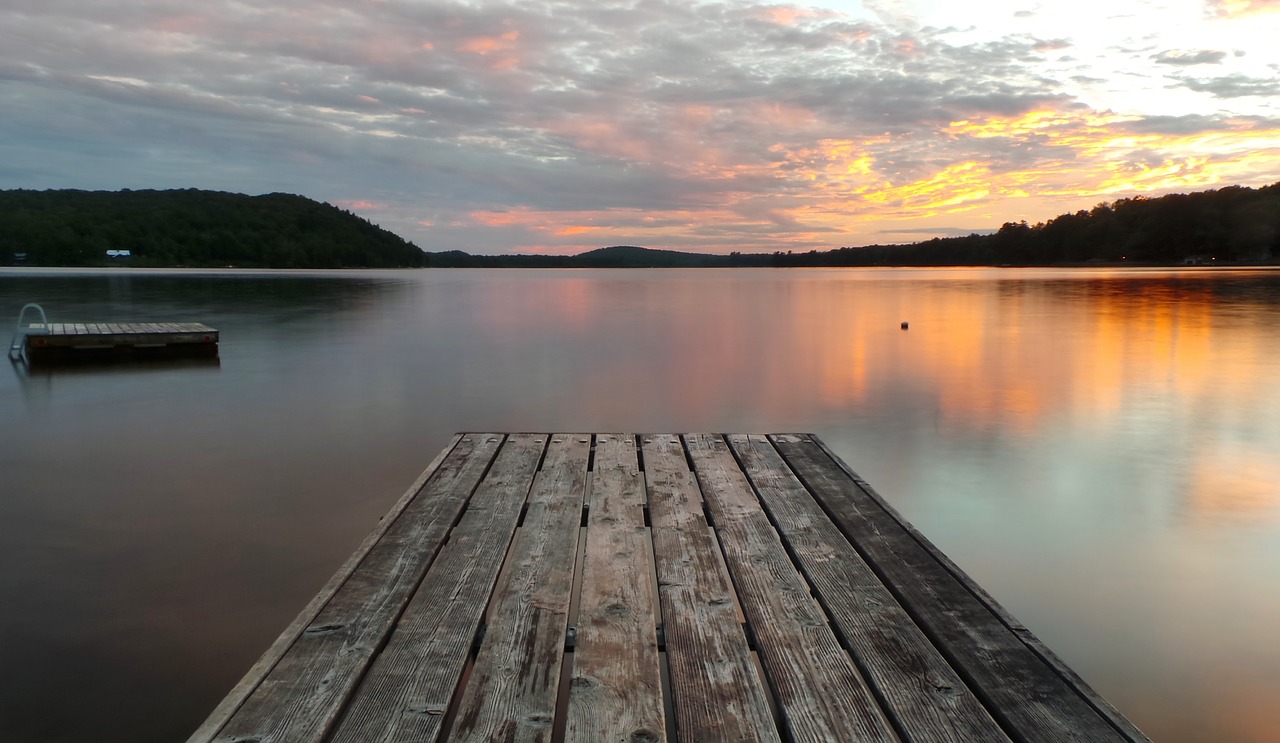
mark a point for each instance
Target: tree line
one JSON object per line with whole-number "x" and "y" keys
{"x": 1235, "y": 224}
{"x": 194, "y": 228}
{"x": 188, "y": 227}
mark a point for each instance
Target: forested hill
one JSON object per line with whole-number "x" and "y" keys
{"x": 208, "y": 228}
{"x": 1235, "y": 224}
{"x": 1229, "y": 225}
{"x": 191, "y": 228}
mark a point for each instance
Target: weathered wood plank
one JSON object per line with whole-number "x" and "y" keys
{"x": 819, "y": 690}
{"x": 1101, "y": 704}
{"x": 921, "y": 692}
{"x": 264, "y": 664}
{"x": 410, "y": 685}
{"x": 511, "y": 695}
{"x": 717, "y": 693}
{"x": 1030, "y": 699}
{"x": 908, "y": 630}
{"x": 615, "y": 693}
{"x": 304, "y": 692}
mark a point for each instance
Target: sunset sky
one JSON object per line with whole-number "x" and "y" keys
{"x": 556, "y": 127}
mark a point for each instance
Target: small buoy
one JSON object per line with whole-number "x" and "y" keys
{"x": 905, "y": 325}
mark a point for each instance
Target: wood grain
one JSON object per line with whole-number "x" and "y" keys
{"x": 1026, "y": 695}
{"x": 408, "y": 689}
{"x": 919, "y": 689}
{"x": 819, "y": 691}
{"x": 236, "y": 697}
{"x": 717, "y": 693}
{"x": 861, "y": 628}
{"x": 511, "y": 695}
{"x": 615, "y": 693}
{"x": 306, "y": 689}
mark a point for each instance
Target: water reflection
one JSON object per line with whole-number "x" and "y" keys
{"x": 1094, "y": 446}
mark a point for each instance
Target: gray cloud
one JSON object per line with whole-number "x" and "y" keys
{"x": 447, "y": 110}
{"x": 1192, "y": 124}
{"x": 1185, "y": 58}
{"x": 1235, "y": 86}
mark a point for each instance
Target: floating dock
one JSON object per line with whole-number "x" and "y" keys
{"x": 53, "y": 342}
{"x": 638, "y": 588}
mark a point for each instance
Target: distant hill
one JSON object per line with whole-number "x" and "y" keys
{"x": 1231, "y": 225}
{"x": 618, "y": 256}
{"x": 1235, "y": 224}
{"x": 192, "y": 228}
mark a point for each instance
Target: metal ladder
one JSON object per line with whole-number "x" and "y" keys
{"x": 18, "y": 346}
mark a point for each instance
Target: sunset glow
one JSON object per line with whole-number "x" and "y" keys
{"x": 699, "y": 126}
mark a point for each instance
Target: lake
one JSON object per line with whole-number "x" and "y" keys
{"x": 1100, "y": 449}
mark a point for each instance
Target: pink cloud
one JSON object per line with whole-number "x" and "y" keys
{"x": 359, "y": 205}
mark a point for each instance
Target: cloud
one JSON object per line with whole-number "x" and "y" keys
{"x": 1185, "y": 58}
{"x": 542, "y": 124}
{"x": 936, "y": 231}
{"x": 1238, "y": 8}
{"x": 1235, "y": 86}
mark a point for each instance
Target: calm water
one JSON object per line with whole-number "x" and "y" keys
{"x": 1100, "y": 449}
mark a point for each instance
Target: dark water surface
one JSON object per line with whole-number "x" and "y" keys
{"x": 1099, "y": 449}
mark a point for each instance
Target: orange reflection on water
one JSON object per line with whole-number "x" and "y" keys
{"x": 1022, "y": 354}
{"x": 1247, "y": 709}
{"x": 1237, "y": 482}
{"x": 986, "y": 350}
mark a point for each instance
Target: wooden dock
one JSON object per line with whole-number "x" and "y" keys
{"x": 612, "y": 587}
{"x": 43, "y": 342}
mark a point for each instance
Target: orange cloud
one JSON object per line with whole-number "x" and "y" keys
{"x": 501, "y": 49}
{"x": 1236, "y": 8}
{"x": 850, "y": 185}
{"x": 605, "y": 136}
{"x": 858, "y": 191}
{"x": 955, "y": 184}
{"x": 551, "y": 222}
{"x": 790, "y": 15}
{"x": 484, "y": 45}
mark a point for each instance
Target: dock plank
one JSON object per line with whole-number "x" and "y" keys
{"x": 307, "y": 688}
{"x": 223, "y": 712}
{"x": 1030, "y": 698}
{"x": 925, "y": 696}
{"x": 408, "y": 689}
{"x": 776, "y": 597}
{"x": 820, "y": 693}
{"x": 511, "y": 695}
{"x": 615, "y": 693}
{"x": 118, "y": 340}
{"x": 716, "y": 690}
